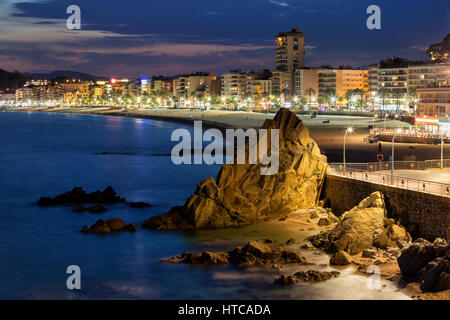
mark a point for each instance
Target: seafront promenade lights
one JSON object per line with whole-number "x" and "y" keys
{"x": 393, "y": 154}
{"x": 348, "y": 131}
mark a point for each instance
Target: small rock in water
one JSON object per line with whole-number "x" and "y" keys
{"x": 98, "y": 208}
{"x": 111, "y": 225}
{"x": 276, "y": 267}
{"x": 286, "y": 280}
{"x": 314, "y": 275}
{"x": 139, "y": 205}
{"x": 78, "y": 208}
{"x": 78, "y": 196}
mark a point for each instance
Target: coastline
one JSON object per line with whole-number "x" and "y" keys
{"x": 329, "y": 136}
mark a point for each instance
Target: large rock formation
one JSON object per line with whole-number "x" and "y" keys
{"x": 241, "y": 195}
{"x": 362, "y": 228}
{"x": 427, "y": 263}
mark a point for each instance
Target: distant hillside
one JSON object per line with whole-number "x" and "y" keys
{"x": 10, "y": 81}
{"x": 64, "y": 73}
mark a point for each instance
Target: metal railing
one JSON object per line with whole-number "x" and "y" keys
{"x": 399, "y": 165}
{"x": 418, "y": 185}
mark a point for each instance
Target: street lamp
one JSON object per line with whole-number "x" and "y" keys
{"x": 442, "y": 150}
{"x": 385, "y": 120}
{"x": 393, "y": 150}
{"x": 349, "y": 130}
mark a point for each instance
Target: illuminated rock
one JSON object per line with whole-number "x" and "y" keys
{"x": 242, "y": 195}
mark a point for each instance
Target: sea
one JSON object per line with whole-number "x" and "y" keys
{"x": 46, "y": 154}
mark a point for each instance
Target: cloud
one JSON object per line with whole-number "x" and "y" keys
{"x": 279, "y": 3}
{"x": 419, "y": 48}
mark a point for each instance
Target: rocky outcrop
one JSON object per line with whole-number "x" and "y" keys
{"x": 255, "y": 253}
{"x": 286, "y": 280}
{"x": 361, "y": 228}
{"x": 79, "y": 196}
{"x": 314, "y": 275}
{"x": 307, "y": 276}
{"x": 427, "y": 263}
{"x": 241, "y": 195}
{"x": 111, "y": 225}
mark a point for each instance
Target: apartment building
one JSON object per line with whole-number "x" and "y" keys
{"x": 187, "y": 86}
{"x": 339, "y": 81}
{"x": 307, "y": 82}
{"x": 429, "y": 75}
{"x": 234, "y": 85}
{"x": 282, "y": 85}
{"x": 408, "y": 78}
{"x": 433, "y": 102}
{"x": 257, "y": 87}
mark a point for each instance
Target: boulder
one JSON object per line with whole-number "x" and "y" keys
{"x": 242, "y": 195}
{"x": 314, "y": 275}
{"x": 115, "y": 224}
{"x": 427, "y": 264}
{"x": 341, "y": 258}
{"x": 356, "y": 228}
{"x": 392, "y": 236}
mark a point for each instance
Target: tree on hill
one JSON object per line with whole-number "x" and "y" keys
{"x": 11, "y": 81}
{"x": 440, "y": 51}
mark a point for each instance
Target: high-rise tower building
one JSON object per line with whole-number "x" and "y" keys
{"x": 290, "y": 50}
{"x": 290, "y": 54}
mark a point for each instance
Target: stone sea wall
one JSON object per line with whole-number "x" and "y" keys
{"x": 425, "y": 215}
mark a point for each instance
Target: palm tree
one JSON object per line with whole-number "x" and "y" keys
{"x": 310, "y": 92}
{"x": 397, "y": 94}
{"x": 330, "y": 94}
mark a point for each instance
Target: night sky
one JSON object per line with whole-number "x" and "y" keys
{"x": 137, "y": 38}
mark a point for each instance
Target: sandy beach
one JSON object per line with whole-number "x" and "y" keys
{"x": 329, "y": 136}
